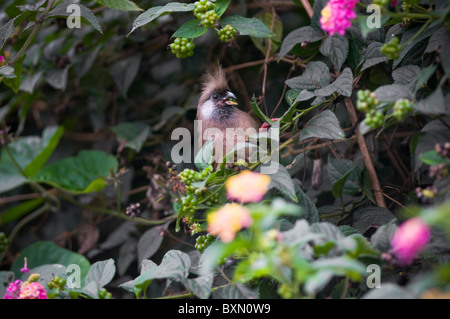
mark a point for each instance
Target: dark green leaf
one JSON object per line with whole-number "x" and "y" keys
{"x": 381, "y": 239}
{"x": 204, "y": 156}
{"x": 86, "y": 14}
{"x": 155, "y": 12}
{"x": 406, "y": 74}
{"x": 102, "y": 272}
{"x": 342, "y": 85}
{"x": 190, "y": 29}
{"x": 246, "y": 26}
{"x": 393, "y": 92}
{"x": 46, "y": 252}
{"x": 371, "y": 216}
{"x": 7, "y": 72}
{"x": 14, "y": 83}
{"x": 124, "y": 5}
{"x": 259, "y": 113}
{"x": 325, "y": 125}
{"x": 20, "y": 210}
{"x": 434, "y": 104}
{"x": 85, "y": 173}
{"x": 298, "y": 36}
{"x": 58, "y": 78}
{"x": 336, "y": 49}
{"x": 315, "y": 76}
{"x": 373, "y": 55}
{"x": 345, "y": 173}
{"x": 124, "y": 72}
{"x": 200, "y": 286}
{"x": 134, "y": 134}
{"x": 150, "y": 241}
{"x": 221, "y": 6}
{"x": 309, "y": 209}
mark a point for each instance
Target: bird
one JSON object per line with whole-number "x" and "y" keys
{"x": 219, "y": 118}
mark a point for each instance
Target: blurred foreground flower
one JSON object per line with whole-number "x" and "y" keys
{"x": 228, "y": 220}
{"x": 32, "y": 290}
{"x": 25, "y": 268}
{"x": 2, "y": 60}
{"x": 409, "y": 239}
{"x": 266, "y": 126}
{"x": 13, "y": 290}
{"x": 247, "y": 186}
{"x": 336, "y": 16}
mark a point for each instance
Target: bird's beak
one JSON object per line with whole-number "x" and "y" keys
{"x": 230, "y": 99}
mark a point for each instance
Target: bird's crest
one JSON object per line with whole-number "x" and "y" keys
{"x": 214, "y": 80}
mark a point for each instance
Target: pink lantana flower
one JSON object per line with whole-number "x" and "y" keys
{"x": 336, "y": 16}
{"x": 2, "y": 60}
{"x": 228, "y": 220}
{"x": 13, "y": 290}
{"x": 410, "y": 239}
{"x": 247, "y": 187}
{"x": 32, "y": 290}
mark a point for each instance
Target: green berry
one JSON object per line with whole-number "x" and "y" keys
{"x": 182, "y": 48}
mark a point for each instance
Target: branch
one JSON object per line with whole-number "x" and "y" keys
{"x": 365, "y": 155}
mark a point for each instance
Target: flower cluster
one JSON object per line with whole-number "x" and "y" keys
{"x": 245, "y": 187}
{"x": 409, "y": 240}
{"x": 336, "y": 16}
{"x": 30, "y": 289}
{"x": 228, "y": 220}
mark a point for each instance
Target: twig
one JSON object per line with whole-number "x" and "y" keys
{"x": 307, "y": 7}
{"x": 365, "y": 155}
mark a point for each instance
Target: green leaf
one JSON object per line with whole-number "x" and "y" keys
{"x": 381, "y": 239}
{"x": 124, "y": 72}
{"x": 5, "y": 278}
{"x": 124, "y": 5}
{"x": 5, "y": 32}
{"x": 424, "y": 75}
{"x": 303, "y": 34}
{"x": 14, "y": 83}
{"x": 393, "y": 92}
{"x": 50, "y": 139}
{"x": 19, "y": 210}
{"x": 58, "y": 78}
{"x": 175, "y": 266}
{"x": 155, "y": 12}
{"x": 84, "y": 173}
{"x": 190, "y": 29}
{"x": 342, "y": 85}
{"x": 221, "y": 6}
{"x": 325, "y": 125}
{"x": 30, "y": 153}
{"x": 431, "y": 157}
{"x": 315, "y": 76}
{"x": 434, "y": 104}
{"x": 282, "y": 181}
{"x": 344, "y": 174}
{"x": 87, "y": 15}
{"x": 406, "y": 74}
{"x": 46, "y": 252}
{"x": 336, "y": 49}
{"x": 134, "y": 134}
{"x": 102, "y": 272}
{"x": 238, "y": 291}
{"x": 342, "y": 266}
{"x": 204, "y": 156}
{"x": 261, "y": 43}
{"x": 246, "y": 26}
{"x": 371, "y": 216}
{"x": 150, "y": 242}
{"x": 309, "y": 209}
{"x": 200, "y": 286}
{"x": 259, "y": 113}
{"x": 373, "y": 55}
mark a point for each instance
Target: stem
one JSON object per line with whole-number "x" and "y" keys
{"x": 22, "y": 223}
{"x": 30, "y": 38}
{"x": 365, "y": 155}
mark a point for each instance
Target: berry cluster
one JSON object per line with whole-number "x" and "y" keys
{"x": 182, "y": 47}
{"x": 443, "y": 149}
{"x": 203, "y": 241}
{"x": 201, "y": 7}
{"x": 210, "y": 19}
{"x": 227, "y": 34}
{"x": 402, "y": 108}
{"x": 391, "y": 49}
{"x": 4, "y": 241}
{"x": 56, "y": 283}
{"x": 133, "y": 210}
{"x": 367, "y": 103}
{"x": 194, "y": 195}
{"x": 104, "y": 294}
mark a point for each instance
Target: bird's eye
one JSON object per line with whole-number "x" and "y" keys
{"x": 215, "y": 96}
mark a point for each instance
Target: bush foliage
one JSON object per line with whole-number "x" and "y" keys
{"x": 87, "y": 112}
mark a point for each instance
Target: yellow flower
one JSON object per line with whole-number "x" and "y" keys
{"x": 247, "y": 186}
{"x": 228, "y": 220}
